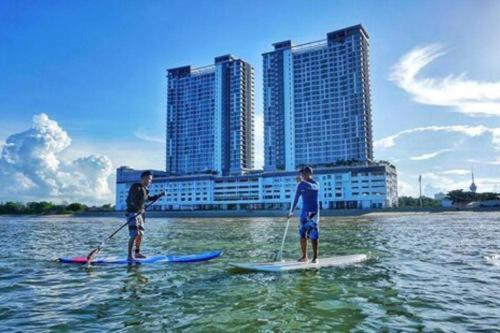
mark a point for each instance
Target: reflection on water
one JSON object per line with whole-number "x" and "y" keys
{"x": 431, "y": 272}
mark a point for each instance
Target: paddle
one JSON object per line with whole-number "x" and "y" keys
{"x": 279, "y": 255}
{"x": 93, "y": 254}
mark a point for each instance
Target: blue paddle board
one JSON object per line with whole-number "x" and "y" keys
{"x": 173, "y": 258}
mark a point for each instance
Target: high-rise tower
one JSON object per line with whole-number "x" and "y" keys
{"x": 210, "y": 118}
{"x": 473, "y": 187}
{"x": 317, "y": 107}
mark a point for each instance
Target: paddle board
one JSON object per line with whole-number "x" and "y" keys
{"x": 173, "y": 258}
{"x": 284, "y": 266}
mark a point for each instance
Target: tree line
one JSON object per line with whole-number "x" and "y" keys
{"x": 461, "y": 196}
{"x": 406, "y": 201}
{"x": 48, "y": 208}
{"x": 456, "y": 196}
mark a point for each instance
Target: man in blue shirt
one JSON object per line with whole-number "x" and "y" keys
{"x": 308, "y": 189}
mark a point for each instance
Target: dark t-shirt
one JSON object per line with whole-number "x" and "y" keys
{"x": 137, "y": 197}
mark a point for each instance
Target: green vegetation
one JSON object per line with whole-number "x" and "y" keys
{"x": 459, "y": 196}
{"x": 456, "y": 196}
{"x": 46, "y": 208}
{"x": 415, "y": 202}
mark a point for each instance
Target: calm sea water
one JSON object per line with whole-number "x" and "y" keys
{"x": 429, "y": 272}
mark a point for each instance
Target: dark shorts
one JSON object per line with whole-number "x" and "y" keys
{"x": 135, "y": 225}
{"x": 309, "y": 227}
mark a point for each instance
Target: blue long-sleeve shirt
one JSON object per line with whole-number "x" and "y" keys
{"x": 308, "y": 190}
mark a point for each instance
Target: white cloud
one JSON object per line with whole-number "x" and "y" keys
{"x": 488, "y": 184}
{"x": 471, "y": 131}
{"x": 149, "y": 138}
{"x": 31, "y": 167}
{"x": 474, "y": 98}
{"x": 429, "y": 155}
{"x": 457, "y": 172}
{"x": 441, "y": 182}
{"x": 405, "y": 189}
{"x": 466, "y": 146}
{"x": 495, "y": 162}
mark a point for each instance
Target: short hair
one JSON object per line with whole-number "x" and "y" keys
{"x": 307, "y": 169}
{"x": 146, "y": 173}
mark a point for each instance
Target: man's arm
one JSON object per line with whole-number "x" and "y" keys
{"x": 298, "y": 192}
{"x": 310, "y": 215}
{"x": 155, "y": 197}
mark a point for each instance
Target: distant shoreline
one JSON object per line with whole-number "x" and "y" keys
{"x": 279, "y": 213}
{"x": 268, "y": 213}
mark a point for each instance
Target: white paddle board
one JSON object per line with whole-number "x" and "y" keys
{"x": 284, "y": 266}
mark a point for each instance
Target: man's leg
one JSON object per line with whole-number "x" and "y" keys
{"x": 303, "y": 236}
{"x": 133, "y": 233}
{"x": 138, "y": 241}
{"x": 303, "y": 248}
{"x": 130, "y": 246}
{"x": 315, "y": 244}
{"x": 314, "y": 236}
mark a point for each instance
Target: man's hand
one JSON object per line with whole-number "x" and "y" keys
{"x": 290, "y": 214}
{"x": 158, "y": 196}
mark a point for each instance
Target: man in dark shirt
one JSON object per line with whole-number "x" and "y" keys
{"x": 138, "y": 194}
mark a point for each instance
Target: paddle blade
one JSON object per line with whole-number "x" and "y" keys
{"x": 92, "y": 255}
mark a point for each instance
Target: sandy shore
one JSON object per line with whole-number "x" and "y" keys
{"x": 277, "y": 213}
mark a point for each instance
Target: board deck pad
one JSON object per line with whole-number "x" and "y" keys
{"x": 172, "y": 258}
{"x": 284, "y": 266}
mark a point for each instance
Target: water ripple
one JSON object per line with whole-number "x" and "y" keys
{"x": 427, "y": 272}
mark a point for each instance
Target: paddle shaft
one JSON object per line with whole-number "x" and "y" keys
{"x": 96, "y": 250}
{"x": 128, "y": 220}
{"x": 280, "y": 253}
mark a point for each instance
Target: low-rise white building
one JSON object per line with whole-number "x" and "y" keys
{"x": 367, "y": 186}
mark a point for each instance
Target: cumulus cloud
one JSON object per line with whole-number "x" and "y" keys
{"x": 471, "y": 131}
{"x": 31, "y": 167}
{"x": 474, "y": 98}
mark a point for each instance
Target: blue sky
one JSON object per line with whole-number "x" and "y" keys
{"x": 98, "y": 70}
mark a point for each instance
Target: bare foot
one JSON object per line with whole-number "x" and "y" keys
{"x": 302, "y": 259}
{"x": 140, "y": 256}
{"x": 314, "y": 261}
{"x": 129, "y": 258}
